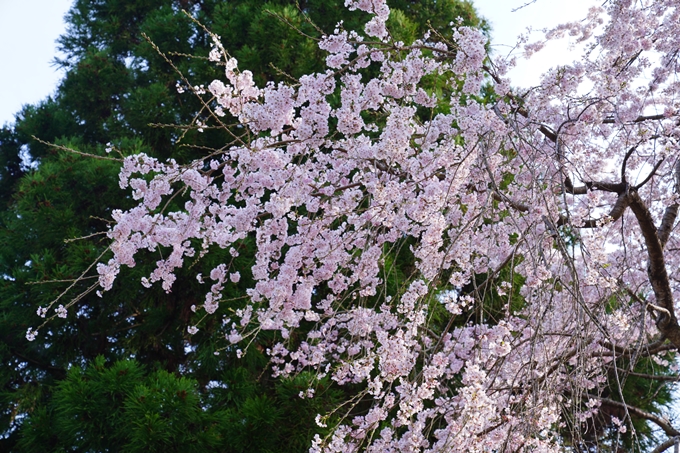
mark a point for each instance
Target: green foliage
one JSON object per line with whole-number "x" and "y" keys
{"x": 121, "y": 373}
{"x": 122, "y": 407}
{"x": 651, "y": 395}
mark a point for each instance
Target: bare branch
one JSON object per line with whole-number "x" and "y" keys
{"x": 337, "y": 189}
{"x": 651, "y": 173}
{"x": 647, "y": 350}
{"x": 569, "y": 185}
{"x": 71, "y": 150}
{"x": 616, "y": 187}
{"x": 639, "y": 119}
{"x": 654, "y": 377}
{"x": 667, "y": 444}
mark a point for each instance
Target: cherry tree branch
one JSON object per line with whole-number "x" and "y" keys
{"x": 671, "y": 212}
{"x": 656, "y": 269}
{"x": 616, "y": 187}
{"x": 661, "y": 422}
{"x": 667, "y": 223}
{"x": 649, "y": 349}
{"x": 617, "y": 211}
{"x": 639, "y": 119}
{"x": 654, "y": 377}
{"x": 667, "y": 444}
{"x": 649, "y": 176}
{"x": 625, "y": 161}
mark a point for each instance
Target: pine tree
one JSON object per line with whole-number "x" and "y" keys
{"x": 121, "y": 372}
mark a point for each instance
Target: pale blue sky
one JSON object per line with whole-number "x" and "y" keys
{"x": 509, "y": 19}
{"x": 29, "y": 28}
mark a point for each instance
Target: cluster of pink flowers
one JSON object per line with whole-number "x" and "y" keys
{"x": 552, "y": 185}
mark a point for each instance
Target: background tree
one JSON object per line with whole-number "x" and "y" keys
{"x": 130, "y": 351}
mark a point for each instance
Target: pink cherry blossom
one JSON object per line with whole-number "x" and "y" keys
{"x": 564, "y": 196}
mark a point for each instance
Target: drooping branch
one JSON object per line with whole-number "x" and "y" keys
{"x": 308, "y": 245}
{"x": 498, "y": 196}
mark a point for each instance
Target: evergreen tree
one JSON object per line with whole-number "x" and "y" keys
{"x": 121, "y": 372}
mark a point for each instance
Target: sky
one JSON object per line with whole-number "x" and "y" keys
{"x": 28, "y": 30}
{"x": 28, "y": 47}
{"x": 509, "y": 19}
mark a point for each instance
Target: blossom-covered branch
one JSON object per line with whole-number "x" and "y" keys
{"x": 512, "y": 314}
